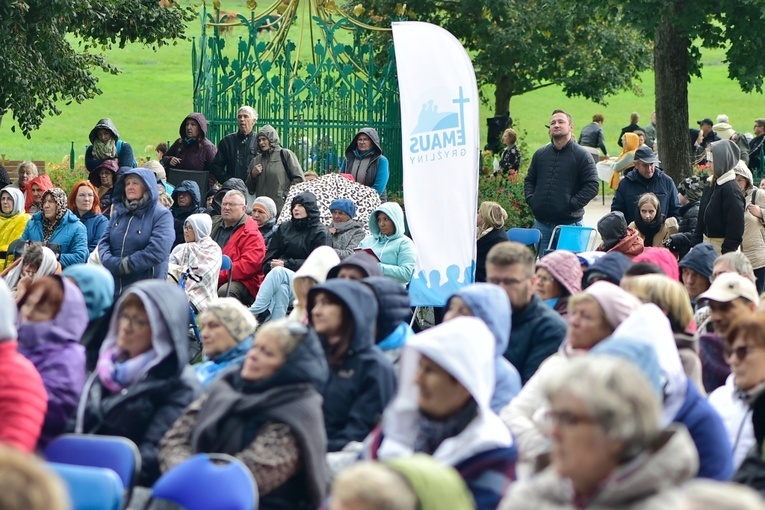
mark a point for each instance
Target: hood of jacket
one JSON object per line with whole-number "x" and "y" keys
{"x": 103, "y": 124}
{"x": 464, "y": 347}
{"x": 613, "y": 264}
{"x": 701, "y": 259}
{"x": 308, "y": 200}
{"x": 490, "y": 304}
{"x": 638, "y": 352}
{"x": 66, "y": 327}
{"x": 393, "y": 302}
{"x": 649, "y": 325}
{"x": 395, "y": 213}
{"x": 362, "y": 260}
{"x": 44, "y": 183}
{"x": 372, "y": 134}
{"x": 360, "y": 301}
{"x": 190, "y": 187}
{"x": 231, "y": 184}
{"x": 168, "y": 311}
{"x": 201, "y": 224}
{"x": 96, "y": 285}
{"x": 612, "y": 228}
{"x": 273, "y": 137}
{"x": 18, "y": 200}
{"x": 149, "y": 180}
{"x": 318, "y": 264}
{"x": 663, "y": 258}
{"x": 7, "y": 313}
{"x": 201, "y": 120}
{"x": 725, "y": 155}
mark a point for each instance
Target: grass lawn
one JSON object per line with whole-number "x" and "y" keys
{"x": 153, "y": 94}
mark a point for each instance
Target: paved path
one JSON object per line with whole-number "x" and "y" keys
{"x": 596, "y": 210}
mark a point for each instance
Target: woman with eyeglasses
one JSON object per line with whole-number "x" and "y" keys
{"x": 738, "y": 398}
{"x": 608, "y": 449}
{"x": 85, "y": 204}
{"x": 559, "y": 276}
{"x": 142, "y": 382}
{"x": 52, "y": 319}
{"x": 267, "y": 413}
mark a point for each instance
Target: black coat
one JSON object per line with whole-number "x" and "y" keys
{"x": 721, "y": 215}
{"x": 235, "y": 152}
{"x": 483, "y": 245}
{"x": 180, "y": 216}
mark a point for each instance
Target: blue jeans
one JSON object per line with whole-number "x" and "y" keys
{"x": 547, "y": 229}
{"x": 275, "y": 294}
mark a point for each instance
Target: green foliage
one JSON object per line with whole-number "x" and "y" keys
{"x": 64, "y": 177}
{"x": 508, "y": 193}
{"x": 40, "y": 63}
{"x": 522, "y": 45}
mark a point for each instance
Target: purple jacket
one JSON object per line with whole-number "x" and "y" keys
{"x": 195, "y": 156}
{"x": 54, "y": 349}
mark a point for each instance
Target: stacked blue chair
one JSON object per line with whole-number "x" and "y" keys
{"x": 208, "y": 481}
{"x": 90, "y": 488}
{"x": 526, "y": 236}
{"x": 573, "y": 238}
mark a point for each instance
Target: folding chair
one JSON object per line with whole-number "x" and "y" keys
{"x": 90, "y": 488}
{"x": 227, "y": 265}
{"x": 526, "y": 236}
{"x": 176, "y": 176}
{"x": 571, "y": 237}
{"x": 118, "y": 454}
{"x": 209, "y": 480}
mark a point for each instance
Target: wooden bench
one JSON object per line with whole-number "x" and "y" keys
{"x": 12, "y": 166}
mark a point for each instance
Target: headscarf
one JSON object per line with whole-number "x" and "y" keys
{"x": 43, "y": 182}
{"x": 626, "y": 159}
{"x": 201, "y": 224}
{"x": 18, "y": 201}
{"x": 233, "y": 316}
{"x": 48, "y": 266}
{"x": 49, "y": 226}
{"x": 96, "y": 285}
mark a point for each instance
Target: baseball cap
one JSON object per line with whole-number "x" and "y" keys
{"x": 729, "y": 286}
{"x": 706, "y": 121}
{"x": 646, "y": 155}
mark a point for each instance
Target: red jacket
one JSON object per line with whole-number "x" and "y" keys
{"x": 247, "y": 250}
{"x": 23, "y": 399}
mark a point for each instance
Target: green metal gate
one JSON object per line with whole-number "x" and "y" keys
{"x": 316, "y": 79}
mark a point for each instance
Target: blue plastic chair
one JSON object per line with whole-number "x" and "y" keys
{"x": 119, "y": 454}
{"x": 525, "y": 236}
{"x": 90, "y": 488}
{"x": 571, "y": 237}
{"x": 226, "y": 264}
{"x": 209, "y": 480}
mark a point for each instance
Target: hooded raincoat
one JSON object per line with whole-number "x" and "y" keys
{"x": 200, "y": 260}
{"x": 194, "y": 153}
{"x": 276, "y": 178}
{"x": 180, "y": 215}
{"x": 12, "y": 225}
{"x": 147, "y": 408}
{"x": 483, "y": 451}
{"x": 136, "y": 245}
{"x": 54, "y": 348}
{"x": 124, "y": 151}
{"x": 396, "y": 252}
{"x": 369, "y": 168}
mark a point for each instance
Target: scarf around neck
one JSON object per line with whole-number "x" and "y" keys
{"x": 431, "y": 432}
{"x": 649, "y": 229}
{"x": 104, "y": 150}
{"x": 117, "y": 373}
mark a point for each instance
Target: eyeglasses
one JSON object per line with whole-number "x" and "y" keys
{"x": 544, "y": 280}
{"x": 229, "y": 204}
{"x": 741, "y": 352}
{"x": 134, "y": 321}
{"x": 85, "y": 195}
{"x": 568, "y": 419}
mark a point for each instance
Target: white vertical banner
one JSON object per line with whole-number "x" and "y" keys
{"x": 440, "y": 148}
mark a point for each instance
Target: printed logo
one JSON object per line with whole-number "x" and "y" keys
{"x": 440, "y": 130}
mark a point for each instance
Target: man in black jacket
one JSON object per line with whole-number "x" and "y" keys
{"x": 235, "y": 151}
{"x": 592, "y": 136}
{"x": 756, "y": 146}
{"x": 561, "y": 179}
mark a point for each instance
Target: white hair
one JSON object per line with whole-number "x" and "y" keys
{"x": 250, "y": 111}
{"x": 616, "y": 394}
{"x": 236, "y": 193}
{"x": 722, "y": 118}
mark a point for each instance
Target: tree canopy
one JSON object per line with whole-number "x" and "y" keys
{"x": 519, "y": 46}
{"x": 52, "y": 47}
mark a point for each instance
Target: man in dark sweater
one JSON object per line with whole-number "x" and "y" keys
{"x": 537, "y": 330}
{"x": 235, "y": 151}
{"x": 561, "y": 179}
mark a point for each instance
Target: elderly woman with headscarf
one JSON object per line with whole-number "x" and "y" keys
{"x": 97, "y": 287}
{"x": 106, "y": 144}
{"x": 143, "y": 381}
{"x": 52, "y": 318}
{"x": 37, "y": 261}
{"x": 608, "y": 447}
{"x": 84, "y": 203}
{"x": 365, "y": 162}
{"x": 13, "y": 219}
{"x": 490, "y": 304}
{"x": 594, "y": 314}
{"x": 199, "y": 259}
{"x": 442, "y": 408}
{"x": 59, "y": 228}
{"x": 35, "y": 189}
{"x": 559, "y": 276}
{"x": 721, "y": 212}
{"x": 266, "y": 413}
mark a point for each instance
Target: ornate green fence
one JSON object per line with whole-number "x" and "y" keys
{"x": 316, "y": 79}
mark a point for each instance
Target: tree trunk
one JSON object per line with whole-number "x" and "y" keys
{"x": 502, "y": 95}
{"x": 671, "y": 74}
